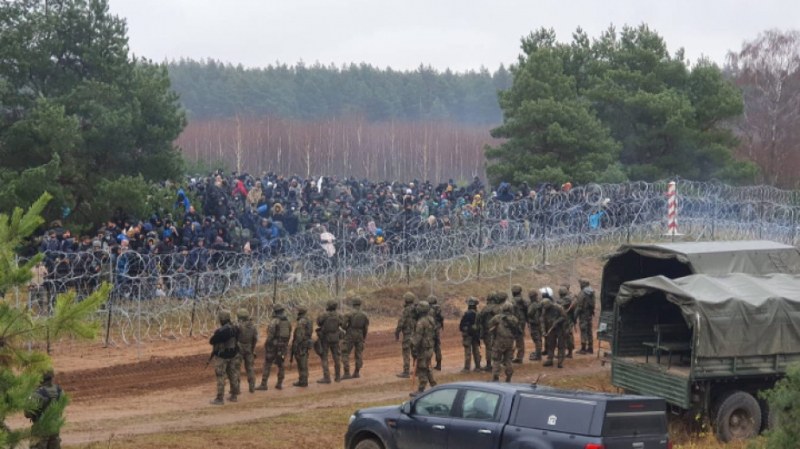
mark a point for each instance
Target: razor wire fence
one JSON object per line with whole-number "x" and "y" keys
{"x": 178, "y": 294}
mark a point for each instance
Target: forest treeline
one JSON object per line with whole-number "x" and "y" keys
{"x": 211, "y": 89}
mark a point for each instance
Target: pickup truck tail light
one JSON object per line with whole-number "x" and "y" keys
{"x": 594, "y": 446}
{"x": 669, "y": 444}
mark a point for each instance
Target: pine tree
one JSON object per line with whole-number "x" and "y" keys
{"x": 21, "y": 369}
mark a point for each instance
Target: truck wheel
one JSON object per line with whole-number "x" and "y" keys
{"x": 369, "y": 443}
{"x": 737, "y": 417}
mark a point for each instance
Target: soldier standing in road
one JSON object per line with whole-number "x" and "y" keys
{"x": 355, "y": 325}
{"x": 275, "y": 348}
{"x": 227, "y": 361}
{"x": 521, "y": 312}
{"x": 470, "y": 335}
{"x": 248, "y": 339}
{"x": 301, "y": 342}
{"x": 554, "y": 319}
{"x": 505, "y": 329}
{"x": 585, "y": 313}
{"x": 535, "y": 324}
{"x": 438, "y": 319}
{"x": 567, "y": 302}
{"x": 44, "y": 396}
{"x": 329, "y": 326}
{"x": 422, "y": 345}
{"x": 405, "y": 325}
{"x": 484, "y": 316}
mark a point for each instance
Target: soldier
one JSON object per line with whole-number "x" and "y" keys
{"x": 585, "y": 313}
{"x": 568, "y": 303}
{"x": 405, "y": 325}
{"x": 248, "y": 338}
{"x": 521, "y": 312}
{"x": 301, "y": 342}
{"x": 484, "y": 316}
{"x": 505, "y": 329}
{"x": 227, "y": 361}
{"x": 329, "y": 326}
{"x": 42, "y": 398}
{"x": 275, "y": 348}
{"x": 438, "y": 319}
{"x": 554, "y": 320}
{"x": 535, "y": 324}
{"x": 356, "y": 324}
{"x": 422, "y": 345}
{"x": 470, "y": 335}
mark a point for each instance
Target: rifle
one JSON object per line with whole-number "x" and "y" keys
{"x": 291, "y": 352}
{"x": 209, "y": 358}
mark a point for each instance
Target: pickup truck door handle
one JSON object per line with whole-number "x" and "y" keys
{"x": 485, "y": 431}
{"x": 438, "y": 427}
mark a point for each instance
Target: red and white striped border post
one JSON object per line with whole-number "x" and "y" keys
{"x": 672, "y": 209}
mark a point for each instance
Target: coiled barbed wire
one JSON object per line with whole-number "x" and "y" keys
{"x": 177, "y": 294}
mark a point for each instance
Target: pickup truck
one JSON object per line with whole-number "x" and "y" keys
{"x": 489, "y": 415}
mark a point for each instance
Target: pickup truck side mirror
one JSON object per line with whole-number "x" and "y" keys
{"x": 406, "y": 408}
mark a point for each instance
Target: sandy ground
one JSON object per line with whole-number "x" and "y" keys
{"x": 169, "y": 388}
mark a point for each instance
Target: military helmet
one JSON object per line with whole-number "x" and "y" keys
{"x": 546, "y": 302}
{"x": 432, "y": 300}
{"x": 356, "y": 301}
{"x": 507, "y": 308}
{"x": 409, "y": 297}
{"x": 583, "y": 283}
{"x": 243, "y": 314}
{"x": 277, "y": 308}
{"x": 331, "y": 305}
{"x": 471, "y": 301}
{"x": 502, "y": 296}
{"x": 563, "y": 291}
{"x": 301, "y": 311}
{"x": 516, "y": 289}
{"x": 533, "y": 294}
{"x": 546, "y": 292}
{"x": 48, "y": 375}
{"x": 588, "y": 291}
{"x": 224, "y": 316}
{"x": 423, "y": 307}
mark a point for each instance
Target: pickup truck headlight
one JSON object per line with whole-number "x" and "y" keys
{"x": 352, "y": 418}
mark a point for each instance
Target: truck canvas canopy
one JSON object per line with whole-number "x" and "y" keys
{"x": 731, "y": 315}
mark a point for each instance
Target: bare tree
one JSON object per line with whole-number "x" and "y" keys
{"x": 768, "y": 71}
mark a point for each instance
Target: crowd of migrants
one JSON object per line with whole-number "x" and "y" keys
{"x": 246, "y": 218}
{"x": 500, "y": 326}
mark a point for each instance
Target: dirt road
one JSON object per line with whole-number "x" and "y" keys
{"x": 170, "y": 389}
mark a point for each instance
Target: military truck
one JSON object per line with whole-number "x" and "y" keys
{"x": 708, "y": 344}
{"x": 675, "y": 260}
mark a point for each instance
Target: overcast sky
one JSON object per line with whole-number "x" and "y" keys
{"x": 459, "y": 34}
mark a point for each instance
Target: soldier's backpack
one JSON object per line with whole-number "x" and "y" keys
{"x": 46, "y": 397}
{"x": 284, "y": 329}
{"x": 358, "y": 321}
{"x": 330, "y": 325}
{"x": 514, "y": 329}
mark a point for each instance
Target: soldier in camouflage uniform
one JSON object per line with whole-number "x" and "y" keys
{"x": 422, "y": 345}
{"x": 405, "y": 325}
{"x": 567, "y": 302}
{"x": 534, "y": 319}
{"x": 227, "y": 361}
{"x": 470, "y": 335}
{"x": 436, "y": 311}
{"x": 301, "y": 343}
{"x": 554, "y": 319}
{"x": 585, "y": 313}
{"x": 355, "y": 325}
{"x": 248, "y": 339}
{"x": 505, "y": 329}
{"x": 521, "y": 312}
{"x": 329, "y": 328}
{"x": 484, "y": 316}
{"x": 47, "y": 393}
{"x": 276, "y": 347}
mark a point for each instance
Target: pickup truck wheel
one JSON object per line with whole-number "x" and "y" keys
{"x": 737, "y": 417}
{"x": 369, "y": 443}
